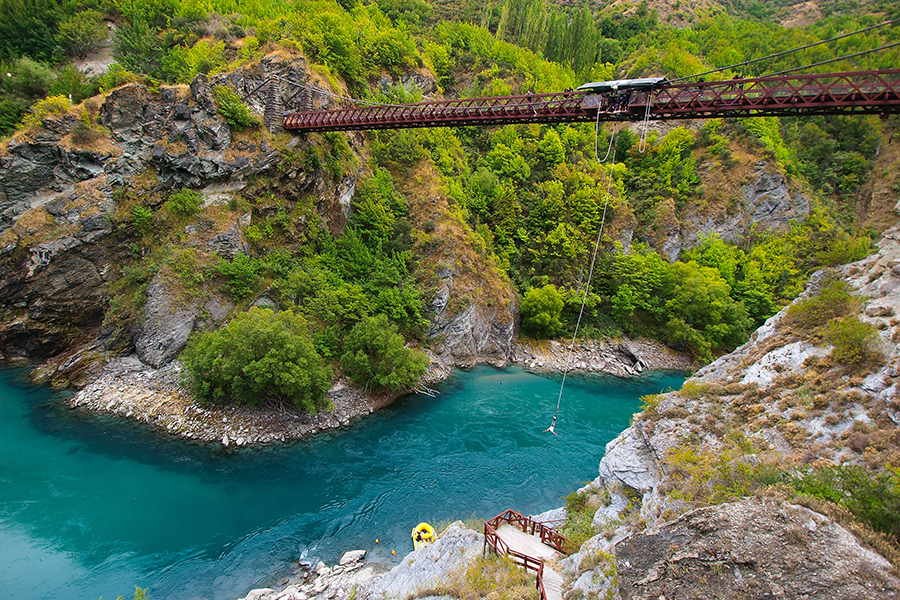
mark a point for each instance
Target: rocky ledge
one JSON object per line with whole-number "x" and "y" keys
{"x": 623, "y": 357}
{"x": 129, "y": 388}
{"x": 674, "y": 505}
{"x": 422, "y": 569}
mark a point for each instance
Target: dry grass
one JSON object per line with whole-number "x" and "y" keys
{"x": 102, "y": 144}
{"x": 452, "y": 243}
{"x": 488, "y": 578}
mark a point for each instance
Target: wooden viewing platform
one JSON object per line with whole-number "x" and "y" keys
{"x": 529, "y": 544}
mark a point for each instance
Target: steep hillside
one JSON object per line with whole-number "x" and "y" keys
{"x": 804, "y": 413}
{"x": 146, "y": 210}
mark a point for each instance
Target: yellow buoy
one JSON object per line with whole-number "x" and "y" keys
{"x": 376, "y": 540}
{"x": 422, "y": 535}
{"x": 393, "y": 552}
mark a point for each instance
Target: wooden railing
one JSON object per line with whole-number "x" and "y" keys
{"x": 548, "y": 536}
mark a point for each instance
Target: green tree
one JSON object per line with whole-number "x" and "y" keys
{"x": 258, "y": 356}
{"x": 27, "y": 28}
{"x": 642, "y": 277}
{"x": 82, "y": 33}
{"x": 376, "y": 357}
{"x": 702, "y": 314}
{"x": 138, "y": 47}
{"x": 541, "y": 309}
{"x": 233, "y": 109}
{"x": 31, "y": 79}
{"x": 72, "y": 82}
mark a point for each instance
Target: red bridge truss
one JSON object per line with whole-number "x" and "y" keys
{"x": 861, "y": 92}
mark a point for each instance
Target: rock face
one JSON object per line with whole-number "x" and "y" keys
{"x": 421, "y": 570}
{"x": 58, "y": 261}
{"x": 182, "y": 136}
{"x": 751, "y": 549}
{"x": 481, "y": 332}
{"x": 166, "y": 325}
{"x": 792, "y": 404}
{"x": 768, "y": 203}
{"x": 624, "y": 357}
{"x": 429, "y": 566}
{"x": 477, "y": 334}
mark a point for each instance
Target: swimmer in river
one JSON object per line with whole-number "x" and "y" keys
{"x": 552, "y": 427}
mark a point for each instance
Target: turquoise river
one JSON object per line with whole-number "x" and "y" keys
{"x": 91, "y": 506}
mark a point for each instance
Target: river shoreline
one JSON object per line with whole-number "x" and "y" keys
{"x": 128, "y": 388}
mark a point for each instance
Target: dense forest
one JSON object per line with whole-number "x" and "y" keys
{"x": 532, "y": 197}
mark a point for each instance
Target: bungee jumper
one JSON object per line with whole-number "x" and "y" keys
{"x": 552, "y": 427}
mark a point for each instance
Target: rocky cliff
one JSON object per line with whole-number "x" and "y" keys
{"x": 671, "y": 492}
{"x": 68, "y": 239}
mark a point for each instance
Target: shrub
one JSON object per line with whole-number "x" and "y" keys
{"x": 72, "y": 82}
{"x": 258, "y": 356}
{"x": 872, "y": 498}
{"x": 83, "y": 131}
{"x": 241, "y": 275}
{"x": 182, "y": 64}
{"x": 233, "y": 109}
{"x": 53, "y": 106}
{"x": 579, "y": 525}
{"x": 498, "y": 578}
{"x": 375, "y": 356}
{"x": 115, "y": 76}
{"x": 142, "y": 219}
{"x": 833, "y": 301}
{"x": 541, "y": 309}
{"x": 184, "y": 203}
{"x": 854, "y": 341}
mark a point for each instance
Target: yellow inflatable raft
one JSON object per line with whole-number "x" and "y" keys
{"x": 422, "y": 535}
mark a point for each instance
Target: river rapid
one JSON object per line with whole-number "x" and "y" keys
{"x": 93, "y": 505}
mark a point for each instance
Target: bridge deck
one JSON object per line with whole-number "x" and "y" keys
{"x": 527, "y": 544}
{"x": 531, "y": 545}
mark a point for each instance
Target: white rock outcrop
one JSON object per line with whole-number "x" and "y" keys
{"x": 429, "y": 566}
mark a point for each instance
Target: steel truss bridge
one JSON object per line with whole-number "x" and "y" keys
{"x": 859, "y": 92}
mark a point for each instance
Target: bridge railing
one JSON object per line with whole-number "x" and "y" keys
{"x": 868, "y": 91}
{"x": 468, "y": 111}
{"x": 548, "y": 535}
{"x": 528, "y": 525}
{"x": 860, "y": 92}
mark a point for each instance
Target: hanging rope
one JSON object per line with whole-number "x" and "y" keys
{"x": 587, "y": 287}
{"x": 612, "y": 137}
{"x": 642, "y": 146}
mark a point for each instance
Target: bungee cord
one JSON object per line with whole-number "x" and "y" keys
{"x": 832, "y": 60}
{"x": 587, "y": 288}
{"x": 790, "y": 51}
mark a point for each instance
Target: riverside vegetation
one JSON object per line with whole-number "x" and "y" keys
{"x": 530, "y": 197}
{"x": 375, "y": 248}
